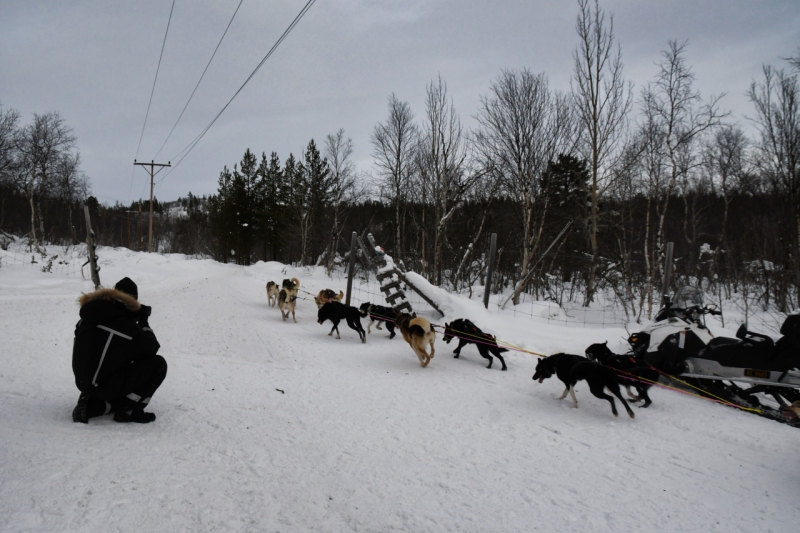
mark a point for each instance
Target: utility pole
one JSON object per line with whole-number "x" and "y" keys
{"x": 152, "y": 173}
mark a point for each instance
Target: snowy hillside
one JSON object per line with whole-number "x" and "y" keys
{"x": 265, "y": 425}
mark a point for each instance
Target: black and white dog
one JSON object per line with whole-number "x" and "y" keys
{"x": 469, "y": 333}
{"x": 379, "y": 314}
{"x": 336, "y": 312}
{"x": 632, "y": 373}
{"x": 573, "y": 368}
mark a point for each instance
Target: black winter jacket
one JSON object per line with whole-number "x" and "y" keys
{"x": 111, "y": 333}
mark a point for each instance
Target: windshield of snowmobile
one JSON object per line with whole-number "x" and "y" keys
{"x": 687, "y": 297}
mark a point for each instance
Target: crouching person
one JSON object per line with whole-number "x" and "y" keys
{"x": 114, "y": 356}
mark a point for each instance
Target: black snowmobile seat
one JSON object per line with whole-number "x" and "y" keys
{"x": 752, "y": 353}
{"x": 791, "y": 327}
{"x": 716, "y": 342}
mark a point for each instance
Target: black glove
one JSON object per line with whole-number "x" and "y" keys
{"x": 141, "y": 317}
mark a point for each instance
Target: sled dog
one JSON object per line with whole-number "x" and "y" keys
{"x": 287, "y": 297}
{"x": 272, "y": 293}
{"x": 378, "y": 315}
{"x": 336, "y": 312}
{"x": 417, "y": 332}
{"x": 629, "y": 370}
{"x": 327, "y": 295}
{"x": 573, "y": 368}
{"x": 469, "y": 333}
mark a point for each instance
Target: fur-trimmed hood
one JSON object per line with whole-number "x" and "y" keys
{"x": 111, "y": 295}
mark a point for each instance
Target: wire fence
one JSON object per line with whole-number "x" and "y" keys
{"x": 569, "y": 314}
{"x": 65, "y": 260}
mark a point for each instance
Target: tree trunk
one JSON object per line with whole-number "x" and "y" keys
{"x": 33, "y": 223}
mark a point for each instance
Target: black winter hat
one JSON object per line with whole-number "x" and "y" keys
{"x": 127, "y": 286}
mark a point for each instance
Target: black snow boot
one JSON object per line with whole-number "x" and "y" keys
{"x": 137, "y": 415}
{"x": 98, "y": 407}
{"x": 81, "y": 411}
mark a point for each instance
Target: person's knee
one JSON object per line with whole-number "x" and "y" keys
{"x": 160, "y": 366}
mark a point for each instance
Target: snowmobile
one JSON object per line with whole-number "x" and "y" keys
{"x": 678, "y": 342}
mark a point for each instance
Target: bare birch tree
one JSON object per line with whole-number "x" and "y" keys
{"x": 8, "y": 127}
{"x": 602, "y": 102}
{"x": 777, "y": 102}
{"x": 71, "y": 186}
{"x": 41, "y": 145}
{"x": 393, "y": 144}
{"x": 724, "y": 164}
{"x": 523, "y": 126}
{"x": 676, "y": 109}
{"x": 337, "y": 151}
{"x": 443, "y": 165}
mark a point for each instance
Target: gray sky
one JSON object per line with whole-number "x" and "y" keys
{"x": 94, "y": 62}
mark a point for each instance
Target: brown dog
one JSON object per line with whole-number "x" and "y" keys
{"x": 287, "y": 297}
{"x": 417, "y": 332}
{"x": 326, "y": 296}
{"x": 272, "y": 293}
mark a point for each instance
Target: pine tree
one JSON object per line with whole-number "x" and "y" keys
{"x": 220, "y": 211}
{"x": 272, "y": 192}
{"x": 319, "y": 189}
{"x": 295, "y": 201}
{"x": 244, "y": 188}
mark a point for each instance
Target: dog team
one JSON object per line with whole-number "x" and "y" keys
{"x": 601, "y": 369}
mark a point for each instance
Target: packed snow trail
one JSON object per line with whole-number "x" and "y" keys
{"x": 266, "y": 425}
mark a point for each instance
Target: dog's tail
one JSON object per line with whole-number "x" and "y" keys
{"x": 296, "y": 283}
{"x": 415, "y": 330}
{"x": 493, "y": 339}
{"x": 341, "y": 295}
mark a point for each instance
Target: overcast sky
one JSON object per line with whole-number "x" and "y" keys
{"x": 95, "y": 61}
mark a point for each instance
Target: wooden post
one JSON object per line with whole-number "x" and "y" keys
{"x": 139, "y": 225}
{"x": 351, "y": 267}
{"x": 667, "y": 272}
{"x": 487, "y": 288}
{"x": 90, "y": 244}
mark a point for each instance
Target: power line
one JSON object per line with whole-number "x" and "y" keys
{"x": 201, "y": 78}
{"x": 153, "y": 90}
{"x": 196, "y": 140}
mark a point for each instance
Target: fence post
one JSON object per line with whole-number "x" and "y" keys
{"x": 90, "y": 244}
{"x": 667, "y": 272}
{"x": 487, "y": 289}
{"x": 351, "y": 267}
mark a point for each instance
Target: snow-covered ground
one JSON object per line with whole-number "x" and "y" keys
{"x": 265, "y": 425}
